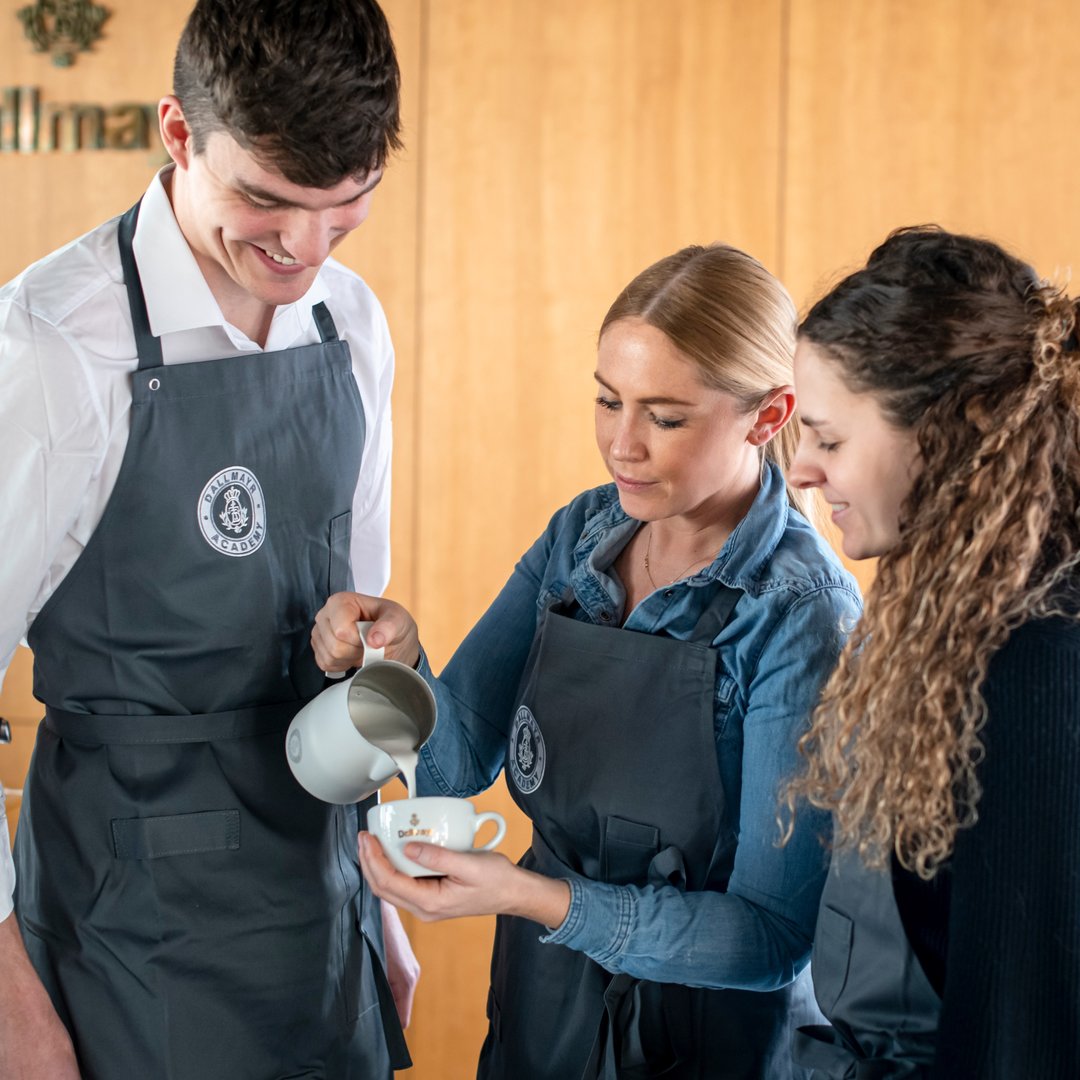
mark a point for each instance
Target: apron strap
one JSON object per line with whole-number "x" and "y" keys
{"x": 325, "y": 322}
{"x": 717, "y": 615}
{"x": 668, "y": 868}
{"x": 148, "y": 346}
{"x": 820, "y": 1047}
{"x": 646, "y": 1030}
{"x": 707, "y": 629}
{"x": 96, "y": 729}
{"x": 395, "y": 1036}
{"x": 639, "y": 1016}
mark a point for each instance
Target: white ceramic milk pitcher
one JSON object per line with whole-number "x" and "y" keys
{"x": 346, "y": 743}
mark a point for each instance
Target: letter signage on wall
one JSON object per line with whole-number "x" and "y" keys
{"x": 29, "y": 125}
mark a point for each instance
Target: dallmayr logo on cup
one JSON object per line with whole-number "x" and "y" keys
{"x": 232, "y": 513}
{"x": 528, "y": 755}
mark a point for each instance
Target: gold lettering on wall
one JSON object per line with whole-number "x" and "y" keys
{"x": 28, "y": 125}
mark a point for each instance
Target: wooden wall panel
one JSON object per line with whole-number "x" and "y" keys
{"x": 566, "y": 145}
{"x": 902, "y": 112}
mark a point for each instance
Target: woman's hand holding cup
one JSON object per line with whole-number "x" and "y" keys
{"x": 434, "y": 820}
{"x": 469, "y": 882}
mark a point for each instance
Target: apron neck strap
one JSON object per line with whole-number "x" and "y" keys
{"x": 148, "y": 346}
{"x": 325, "y": 322}
{"x": 716, "y": 616}
{"x": 707, "y": 629}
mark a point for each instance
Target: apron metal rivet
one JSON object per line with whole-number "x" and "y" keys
{"x": 154, "y": 384}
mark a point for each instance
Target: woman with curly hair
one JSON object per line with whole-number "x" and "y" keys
{"x": 938, "y": 390}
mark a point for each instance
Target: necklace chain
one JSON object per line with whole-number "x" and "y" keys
{"x": 680, "y": 574}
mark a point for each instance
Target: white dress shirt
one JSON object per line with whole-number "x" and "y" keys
{"x": 67, "y": 352}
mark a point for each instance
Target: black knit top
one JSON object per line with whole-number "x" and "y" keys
{"x": 998, "y": 931}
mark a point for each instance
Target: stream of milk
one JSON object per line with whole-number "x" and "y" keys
{"x": 385, "y": 726}
{"x": 402, "y": 748}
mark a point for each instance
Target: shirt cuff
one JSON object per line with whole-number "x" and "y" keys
{"x": 7, "y": 866}
{"x": 598, "y": 922}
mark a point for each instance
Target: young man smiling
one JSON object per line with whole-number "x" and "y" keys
{"x": 196, "y": 426}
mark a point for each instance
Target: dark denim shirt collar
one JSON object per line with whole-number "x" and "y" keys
{"x": 738, "y": 564}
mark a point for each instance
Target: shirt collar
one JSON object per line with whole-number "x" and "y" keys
{"x": 177, "y": 296}
{"x": 753, "y": 541}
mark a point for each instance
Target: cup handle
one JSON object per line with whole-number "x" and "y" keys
{"x": 371, "y": 654}
{"x": 500, "y": 828}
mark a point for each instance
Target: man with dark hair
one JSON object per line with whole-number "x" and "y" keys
{"x": 196, "y": 427}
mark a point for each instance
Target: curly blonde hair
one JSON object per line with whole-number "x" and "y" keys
{"x": 963, "y": 345}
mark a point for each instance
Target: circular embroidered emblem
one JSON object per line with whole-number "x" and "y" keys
{"x": 232, "y": 513}
{"x": 296, "y": 750}
{"x": 528, "y": 755}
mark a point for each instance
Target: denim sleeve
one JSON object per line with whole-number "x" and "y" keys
{"x": 476, "y": 692}
{"x": 757, "y": 935}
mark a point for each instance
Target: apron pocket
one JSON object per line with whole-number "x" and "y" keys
{"x": 340, "y": 537}
{"x": 176, "y": 834}
{"x": 628, "y": 850}
{"x": 831, "y": 956}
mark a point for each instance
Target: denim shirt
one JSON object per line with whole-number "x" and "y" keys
{"x": 775, "y": 652}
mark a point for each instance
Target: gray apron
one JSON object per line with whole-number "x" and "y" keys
{"x": 612, "y": 754}
{"x": 193, "y": 913}
{"x": 868, "y": 982}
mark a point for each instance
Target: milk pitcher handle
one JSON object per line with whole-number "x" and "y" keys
{"x": 371, "y": 654}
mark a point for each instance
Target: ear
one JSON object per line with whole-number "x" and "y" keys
{"x": 176, "y": 136}
{"x": 772, "y": 414}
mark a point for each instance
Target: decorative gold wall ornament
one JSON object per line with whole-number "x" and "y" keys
{"x": 62, "y": 27}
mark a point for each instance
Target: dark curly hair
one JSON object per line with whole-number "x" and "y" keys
{"x": 961, "y": 344}
{"x": 312, "y": 87}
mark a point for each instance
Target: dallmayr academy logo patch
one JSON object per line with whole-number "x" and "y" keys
{"x": 528, "y": 755}
{"x": 232, "y": 513}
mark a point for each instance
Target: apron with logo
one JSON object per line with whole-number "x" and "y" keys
{"x": 869, "y": 983}
{"x": 612, "y": 754}
{"x": 192, "y": 911}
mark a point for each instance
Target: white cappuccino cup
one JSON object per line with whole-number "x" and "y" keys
{"x": 432, "y": 819}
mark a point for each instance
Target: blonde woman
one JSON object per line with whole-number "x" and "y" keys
{"x": 644, "y": 677}
{"x": 938, "y": 391}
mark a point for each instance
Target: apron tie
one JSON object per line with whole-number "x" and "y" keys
{"x": 392, "y": 1029}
